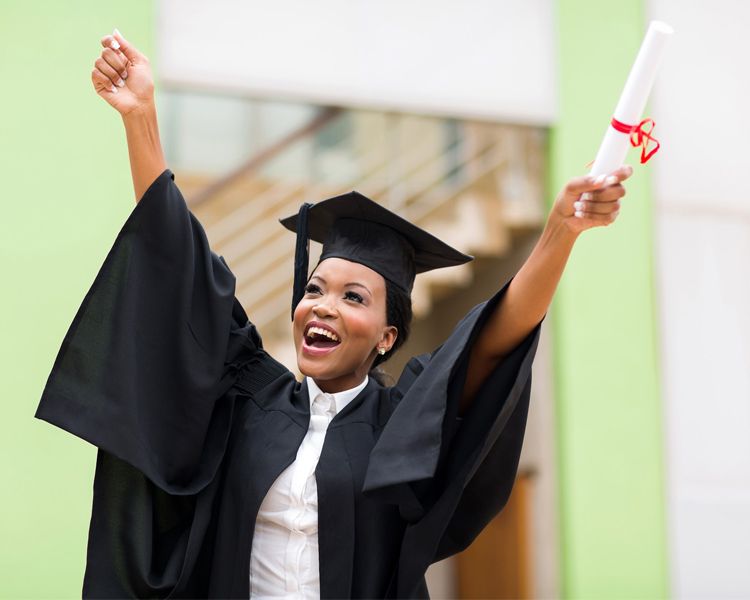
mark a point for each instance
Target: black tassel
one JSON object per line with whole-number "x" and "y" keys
{"x": 301, "y": 256}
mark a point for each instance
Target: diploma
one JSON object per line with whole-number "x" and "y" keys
{"x": 626, "y": 128}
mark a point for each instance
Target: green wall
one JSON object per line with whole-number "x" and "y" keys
{"x": 66, "y": 191}
{"x": 608, "y": 405}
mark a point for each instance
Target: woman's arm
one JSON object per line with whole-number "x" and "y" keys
{"x": 596, "y": 201}
{"x": 122, "y": 76}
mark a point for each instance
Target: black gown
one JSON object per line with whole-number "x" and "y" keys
{"x": 163, "y": 372}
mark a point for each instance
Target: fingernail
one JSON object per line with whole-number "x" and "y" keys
{"x": 117, "y": 32}
{"x": 121, "y": 83}
{"x": 611, "y": 180}
{"x": 114, "y": 44}
{"x": 579, "y": 214}
{"x": 124, "y": 74}
{"x": 586, "y": 196}
{"x": 599, "y": 179}
{"x": 113, "y": 89}
{"x": 578, "y": 206}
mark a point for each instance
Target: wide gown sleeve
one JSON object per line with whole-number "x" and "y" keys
{"x": 157, "y": 341}
{"x": 450, "y": 476}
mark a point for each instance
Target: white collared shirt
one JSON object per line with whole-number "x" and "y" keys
{"x": 284, "y": 557}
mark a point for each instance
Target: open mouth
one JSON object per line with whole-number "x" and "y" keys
{"x": 321, "y": 337}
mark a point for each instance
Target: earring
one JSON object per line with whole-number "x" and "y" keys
{"x": 381, "y": 351}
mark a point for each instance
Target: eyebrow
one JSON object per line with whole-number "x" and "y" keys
{"x": 350, "y": 284}
{"x": 355, "y": 284}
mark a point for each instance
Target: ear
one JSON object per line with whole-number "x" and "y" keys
{"x": 388, "y": 338}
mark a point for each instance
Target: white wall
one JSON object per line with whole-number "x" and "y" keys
{"x": 703, "y": 273}
{"x": 478, "y": 58}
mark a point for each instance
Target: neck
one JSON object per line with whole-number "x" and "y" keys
{"x": 336, "y": 386}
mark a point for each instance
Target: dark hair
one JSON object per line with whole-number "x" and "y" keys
{"x": 398, "y": 313}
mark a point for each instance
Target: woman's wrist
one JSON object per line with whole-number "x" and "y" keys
{"x": 557, "y": 233}
{"x": 145, "y": 112}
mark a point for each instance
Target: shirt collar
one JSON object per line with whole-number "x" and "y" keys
{"x": 340, "y": 399}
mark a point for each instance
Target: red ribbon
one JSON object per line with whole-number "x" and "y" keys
{"x": 639, "y": 136}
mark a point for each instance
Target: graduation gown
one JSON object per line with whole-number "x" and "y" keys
{"x": 193, "y": 420}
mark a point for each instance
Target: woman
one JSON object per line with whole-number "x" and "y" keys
{"x": 218, "y": 474}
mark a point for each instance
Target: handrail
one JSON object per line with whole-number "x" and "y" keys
{"x": 268, "y": 153}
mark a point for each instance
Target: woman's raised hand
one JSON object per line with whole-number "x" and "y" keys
{"x": 587, "y": 202}
{"x": 122, "y": 75}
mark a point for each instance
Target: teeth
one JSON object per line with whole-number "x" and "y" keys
{"x": 323, "y": 332}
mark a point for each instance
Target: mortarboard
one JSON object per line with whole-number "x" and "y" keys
{"x": 353, "y": 227}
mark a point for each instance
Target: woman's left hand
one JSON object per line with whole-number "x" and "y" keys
{"x": 587, "y": 202}
{"x": 527, "y": 300}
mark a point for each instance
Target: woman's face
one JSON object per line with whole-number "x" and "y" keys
{"x": 340, "y": 323}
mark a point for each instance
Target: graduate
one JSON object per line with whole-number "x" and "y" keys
{"x": 218, "y": 473}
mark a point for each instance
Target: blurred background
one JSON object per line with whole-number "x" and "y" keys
{"x": 466, "y": 117}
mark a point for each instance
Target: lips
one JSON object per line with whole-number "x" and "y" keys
{"x": 320, "y": 338}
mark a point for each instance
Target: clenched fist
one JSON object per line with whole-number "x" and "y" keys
{"x": 122, "y": 75}
{"x": 587, "y": 202}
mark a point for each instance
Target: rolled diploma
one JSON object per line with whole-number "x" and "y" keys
{"x": 629, "y": 109}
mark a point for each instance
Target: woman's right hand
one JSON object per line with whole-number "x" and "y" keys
{"x": 122, "y": 75}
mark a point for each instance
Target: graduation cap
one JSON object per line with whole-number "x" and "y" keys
{"x": 355, "y": 228}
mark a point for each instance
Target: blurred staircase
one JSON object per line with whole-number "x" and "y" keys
{"x": 475, "y": 185}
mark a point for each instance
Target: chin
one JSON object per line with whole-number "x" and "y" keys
{"x": 321, "y": 373}
{"x": 314, "y": 369}
{"x": 307, "y": 370}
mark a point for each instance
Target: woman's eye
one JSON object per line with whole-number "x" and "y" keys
{"x": 354, "y": 296}
{"x": 311, "y": 288}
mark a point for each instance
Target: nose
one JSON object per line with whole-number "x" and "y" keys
{"x": 323, "y": 309}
